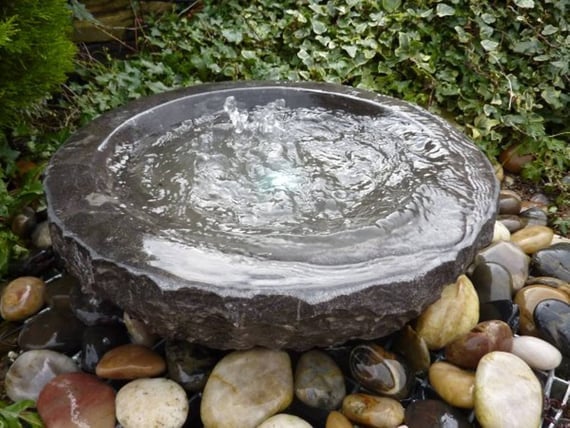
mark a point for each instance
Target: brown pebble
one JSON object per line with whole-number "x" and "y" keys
{"x": 22, "y": 298}
{"x": 130, "y": 362}
{"x": 528, "y": 297}
{"x": 513, "y": 160}
{"x": 337, "y": 420}
{"x": 533, "y": 238}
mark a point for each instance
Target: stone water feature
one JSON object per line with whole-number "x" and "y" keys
{"x": 288, "y": 215}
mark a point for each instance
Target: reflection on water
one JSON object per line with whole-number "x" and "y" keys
{"x": 268, "y": 181}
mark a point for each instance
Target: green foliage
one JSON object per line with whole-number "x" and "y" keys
{"x": 19, "y": 415}
{"x": 499, "y": 71}
{"x": 35, "y": 55}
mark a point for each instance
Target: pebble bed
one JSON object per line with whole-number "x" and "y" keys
{"x": 493, "y": 351}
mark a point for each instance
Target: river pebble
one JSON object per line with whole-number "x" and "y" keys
{"x": 552, "y": 319}
{"x": 533, "y": 238}
{"x": 553, "y": 261}
{"x": 285, "y": 421}
{"x": 373, "y": 411}
{"x": 22, "y": 298}
{"x": 511, "y": 257}
{"x": 130, "y": 361}
{"x": 528, "y": 297}
{"x": 247, "y": 387}
{"x": 453, "y": 384}
{"x": 537, "y": 353}
{"x": 151, "y": 403}
{"x": 507, "y": 393}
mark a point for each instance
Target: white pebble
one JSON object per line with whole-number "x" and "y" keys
{"x": 285, "y": 421}
{"x": 501, "y": 233}
{"x": 537, "y": 353}
{"x": 149, "y": 403}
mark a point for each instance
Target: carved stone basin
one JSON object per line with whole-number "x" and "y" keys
{"x": 286, "y": 215}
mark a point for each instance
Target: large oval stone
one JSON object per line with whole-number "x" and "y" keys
{"x": 247, "y": 387}
{"x": 357, "y": 264}
{"x": 507, "y": 393}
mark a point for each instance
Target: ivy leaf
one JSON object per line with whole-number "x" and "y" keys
{"x": 318, "y": 26}
{"x": 489, "y": 45}
{"x": 552, "y": 97}
{"x": 232, "y": 35}
{"x": 391, "y": 5}
{"x": 443, "y": 9}
{"x": 525, "y": 4}
{"x": 350, "y": 50}
{"x": 548, "y": 30}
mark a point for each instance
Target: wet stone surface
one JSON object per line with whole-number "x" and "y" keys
{"x": 269, "y": 209}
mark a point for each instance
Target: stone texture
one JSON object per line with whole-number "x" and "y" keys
{"x": 553, "y": 261}
{"x": 22, "y": 298}
{"x": 130, "y": 361}
{"x": 32, "y": 370}
{"x": 501, "y": 233}
{"x": 337, "y": 420}
{"x": 319, "y": 381}
{"x": 454, "y": 314}
{"x": 299, "y": 291}
{"x": 285, "y": 421}
{"x": 434, "y": 414}
{"x": 537, "y": 353}
{"x": 507, "y": 393}
{"x": 75, "y": 400}
{"x": 511, "y": 257}
{"x": 189, "y": 364}
{"x": 414, "y": 349}
{"x": 247, "y": 387}
{"x": 492, "y": 282}
{"x": 552, "y": 320}
{"x": 533, "y": 238}
{"x": 509, "y": 202}
{"x": 528, "y": 298}
{"x": 453, "y": 384}
{"x": 150, "y": 403}
{"x": 373, "y": 411}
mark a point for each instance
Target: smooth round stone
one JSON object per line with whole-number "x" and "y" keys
{"x": 75, "y": 400}
{"x": 511, "y": 257}
{"x": 533, "y": 238}
{"x": 247, "y": 387}
{"x": 509, "y": 202}
{"x": 492, "y": 282}
{"x": 150, "y": 403}
{"x": 337, "y": 420}
{"x": 32, "y": 370}
{"x": 99, "y": 339}
{"x": 553, "y": 261}
{"x": 501, "y": 233}
{"x": 535, "y": 217}
{"x": 373, "y": 411}
{"x": 139, "y": 331}
{"x": 434, "y": 414}
{"x": 537, "y": 353}
{"x": 453, "y": 384}
{"x": 414, "y": 348}
{"x": 512, "y": 222}
{"x": 454, "y": 314}
{"x": 189, "y": 364}
{"x": 92, "y": 310}
{"x": 547, "y": 280}
{"x": 22, "y": 298}
{"x": 485, "y": 337}
{"x": 502, "y": 310}
{"x": 130, "y": 361}
{"x": 552, "y": 319}
{"x": 557, "y": 239}
{"x": 380, "y": 371}
{"x": 319, "y": 381}
{"x": 41, "y": 237}
{"x": 513, "y": 160}
{"x": 52, "y": 329}
{"x": 507, "y": 393}
{"x": 285, "y": 421}
{"x": 540, "y": 198}
{"x": 528, "y": 297}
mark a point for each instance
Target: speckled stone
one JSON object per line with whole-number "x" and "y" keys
{"x": 533, "y": 238}
{"x": 453, "y": 384}
{"x": 247, "y": 387}
{"x": 454, "y": 314}
{"x": 507, "y": 393}
{"x": 151, "y": 403}
{"x": 32, "y": 370}
{"x": 285, "y": 421}
{"x": 373, "y": 411}
{"x": 537, "y": 353}
{"x": 319, "y": 381}
{"x": 511, "y": 257}
{"x": 22, "y": 298}
{"x": 130, "y": 361}
{"x": 77, "y": 400}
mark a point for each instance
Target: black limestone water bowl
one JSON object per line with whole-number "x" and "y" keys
{"x": 286, "y": 215}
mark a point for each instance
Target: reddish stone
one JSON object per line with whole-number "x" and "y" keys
{"x": 512, "y": 159}
{"x": 130, "y": 362}
{"x": 74, "y": 400}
